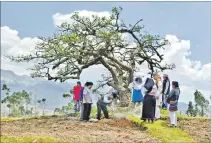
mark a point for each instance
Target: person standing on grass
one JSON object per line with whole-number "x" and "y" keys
{"x": 157, "y": 96}
{"x": 173, "y": 103}
{"x": 81, "y": 101}
{"x": 76, "y": 92}
{"x": 165, "y": 90}
{"x": 87, "y": 101}
{"x": 149, "y": 103}
{"x": 136, "y": 86}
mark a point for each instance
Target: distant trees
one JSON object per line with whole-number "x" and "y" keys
{"x": 9, "y": 107}
{"x": 66, "y": 109}
{"x": 15, "y": 101}
{"x": 190, "y": 110}
{"x": 42, "y": 102}
{"x": 201, "y": 105}
{"x": 57, "y": 110}
{"x": 18, "y": 102}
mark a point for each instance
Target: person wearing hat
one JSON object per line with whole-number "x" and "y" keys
{"x": 76, "y": 92}
{"x": 172, "y": 99}
{"x": 165, "y": 90}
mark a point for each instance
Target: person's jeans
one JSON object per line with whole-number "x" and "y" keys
{"x": 102, "y": 107}
{"x": 87, "y": 111}
{"x": 164, "y": 105}
{"x": 76, "y": 105}
{"x": 81, "y": 110}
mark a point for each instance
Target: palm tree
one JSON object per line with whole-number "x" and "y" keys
{"x": 43, "y": 100}
{"x": 39, "y": 101}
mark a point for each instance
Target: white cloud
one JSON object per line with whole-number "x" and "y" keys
{"x": 178, "y": 53}
{"x": 12, "y": 44}
{"x": 188, "y": 93}
{"x": 59, "y": 18}
{"x": 191, "y": 75}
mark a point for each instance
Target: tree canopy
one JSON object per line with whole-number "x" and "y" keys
{"x": 97, "y": 40}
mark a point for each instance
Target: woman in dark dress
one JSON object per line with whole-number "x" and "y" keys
{"x": 149, "y": 103}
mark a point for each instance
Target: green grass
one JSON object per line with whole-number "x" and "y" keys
{"x": 94, "y": 113}
{"x": 31, "y": 140}
{"x": 163, "y": 133}
{"x": 165, "y": 114}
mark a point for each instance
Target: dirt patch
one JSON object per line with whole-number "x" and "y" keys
{"x": 200, "y": 130}
{"x": 76, "y": 131}
{"x": 117, "y": 123}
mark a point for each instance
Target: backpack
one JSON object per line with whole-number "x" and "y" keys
{"x": 149, "y": 84}
{"x": 81, "y": 94}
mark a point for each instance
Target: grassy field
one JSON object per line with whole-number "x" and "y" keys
{"x": 163, "y": 133}
{"x": 164, "y": 114}
{"x": 60, "y": 128}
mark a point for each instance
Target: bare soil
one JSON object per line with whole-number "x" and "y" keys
{"x": 108, "y": 131}
{"x": 200, "y": 130}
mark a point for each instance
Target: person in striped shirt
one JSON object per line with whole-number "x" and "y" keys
{"x": 173, "y": 103}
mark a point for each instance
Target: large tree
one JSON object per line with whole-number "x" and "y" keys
{"x": 97, "y": 40}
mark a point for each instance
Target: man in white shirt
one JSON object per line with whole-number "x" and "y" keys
{"x": 87, "y": 101}
{"x": 105, "y": 100}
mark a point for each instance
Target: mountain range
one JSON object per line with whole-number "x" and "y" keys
{"x": 41, "y": 88}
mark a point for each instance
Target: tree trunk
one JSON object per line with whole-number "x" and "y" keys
{"x": 43, "y": 108}
{"x": 202, "y": 112}
{"x": 124, "y": 99}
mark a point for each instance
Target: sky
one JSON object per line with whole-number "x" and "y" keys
{"x": 189, "y": 22}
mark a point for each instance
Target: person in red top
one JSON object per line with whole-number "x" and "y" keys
{"x": 76, "y": 92}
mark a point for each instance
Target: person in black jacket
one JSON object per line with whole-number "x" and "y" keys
{"x": 165, "y": 90}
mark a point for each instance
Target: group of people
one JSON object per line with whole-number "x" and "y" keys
{"x": 83, "y": 101}
{"x": 156, "y": 93}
